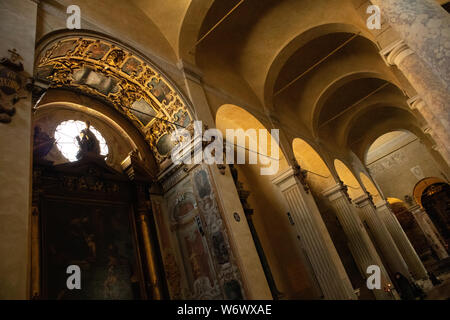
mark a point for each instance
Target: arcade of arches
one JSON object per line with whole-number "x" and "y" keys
{"x": 362, "y": 149}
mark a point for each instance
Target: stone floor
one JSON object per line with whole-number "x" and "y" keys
{"x": 442, "y": 291}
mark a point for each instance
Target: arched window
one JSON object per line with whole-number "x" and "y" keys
{"x": 66, "y": 133}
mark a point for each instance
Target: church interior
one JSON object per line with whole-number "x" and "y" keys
{"x": 354, "y": 114}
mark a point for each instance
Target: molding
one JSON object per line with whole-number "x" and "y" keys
{"x": 416, "y": 209}
{"x": 382, "y": 203}
{"x": 416, "y": 103}
{"x": 283, "y": 176}
{"x": 395, "y": 53}
{"x": 364, "y": 200}
{"x": 337, "y": 191}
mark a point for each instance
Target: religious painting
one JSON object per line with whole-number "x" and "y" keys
{"x": 199, "y": 263}
{"x": 98, "y": 239}
{"x": 63, "y": 48}
{"x": 182, "y": 118}
{"x": 164, "y": 144}
{"x": 171, "y": 268}
{"x": 143, "y": 111}
{"x": 202, "y": 184}
{"x": 95, "y": 80}
{"x": 184, "y": 205}
{"x": 207, "y": 261}
{"x": 132, "y": 67}
{"x": 98, "y": 50}
{"x": 160, "y": 90}
{"x": 220, "y": 248}
{"x": 233, "y": 290}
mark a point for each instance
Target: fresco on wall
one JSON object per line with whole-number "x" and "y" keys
{"x": 181, "y": 118}
{"x": 143, "y": 111}
{"x": 389, "y": 162}
{"x": 171, "y": 266}
{"x": 193, "y": 222}
{"x": 99, "y": 241}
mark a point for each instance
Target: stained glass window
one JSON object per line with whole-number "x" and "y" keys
{"x": 66, "y": 133}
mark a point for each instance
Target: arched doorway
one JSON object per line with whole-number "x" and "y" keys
{"x": 433, "y": 194}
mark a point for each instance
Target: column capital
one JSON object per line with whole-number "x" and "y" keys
{"x": 291, "y": 176}
{"x": 382, "y": 203}
{"x": 364, "y": 200}
{"x": 337, "y": 191}
{"x": 416, "y": 209}
{"x": 394, "y": 53}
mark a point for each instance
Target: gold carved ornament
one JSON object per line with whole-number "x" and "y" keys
{"x": 132, "y": 80}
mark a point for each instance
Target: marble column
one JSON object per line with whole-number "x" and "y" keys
{"x": 17, "y": 31}
{"x": 314, "y": 238}
{"x": 430, "y": 234}
{"x": 425, "y": 27}
{"x": 383, "y": 238}
{"x": 410, "y": 256}
{"x": 433, "y": 100}
{"x": 359, "y": 242}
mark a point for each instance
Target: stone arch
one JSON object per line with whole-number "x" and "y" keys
{"x": 371, "y": 188}
{"x": 268, "y": 210}
{"x": 335, "y": 86}
{"x": 319, "y": 175}
{"x": 423, "y": 184}
{"x": 58, "y": 105}
{"x": 376, "y": 129}
{"x": 391, "y": 96}
{"x": 230, "y": 116}
{"x": 348, "y": 178}
{"x": 190, "y": 28}
{"x": 397, "y": 158}
{"x": 129, "y": 82}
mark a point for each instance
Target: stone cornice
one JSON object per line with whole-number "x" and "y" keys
{"x": 283, "y": 176}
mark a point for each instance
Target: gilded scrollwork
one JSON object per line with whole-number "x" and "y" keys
{"x": 99, "y": 68}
